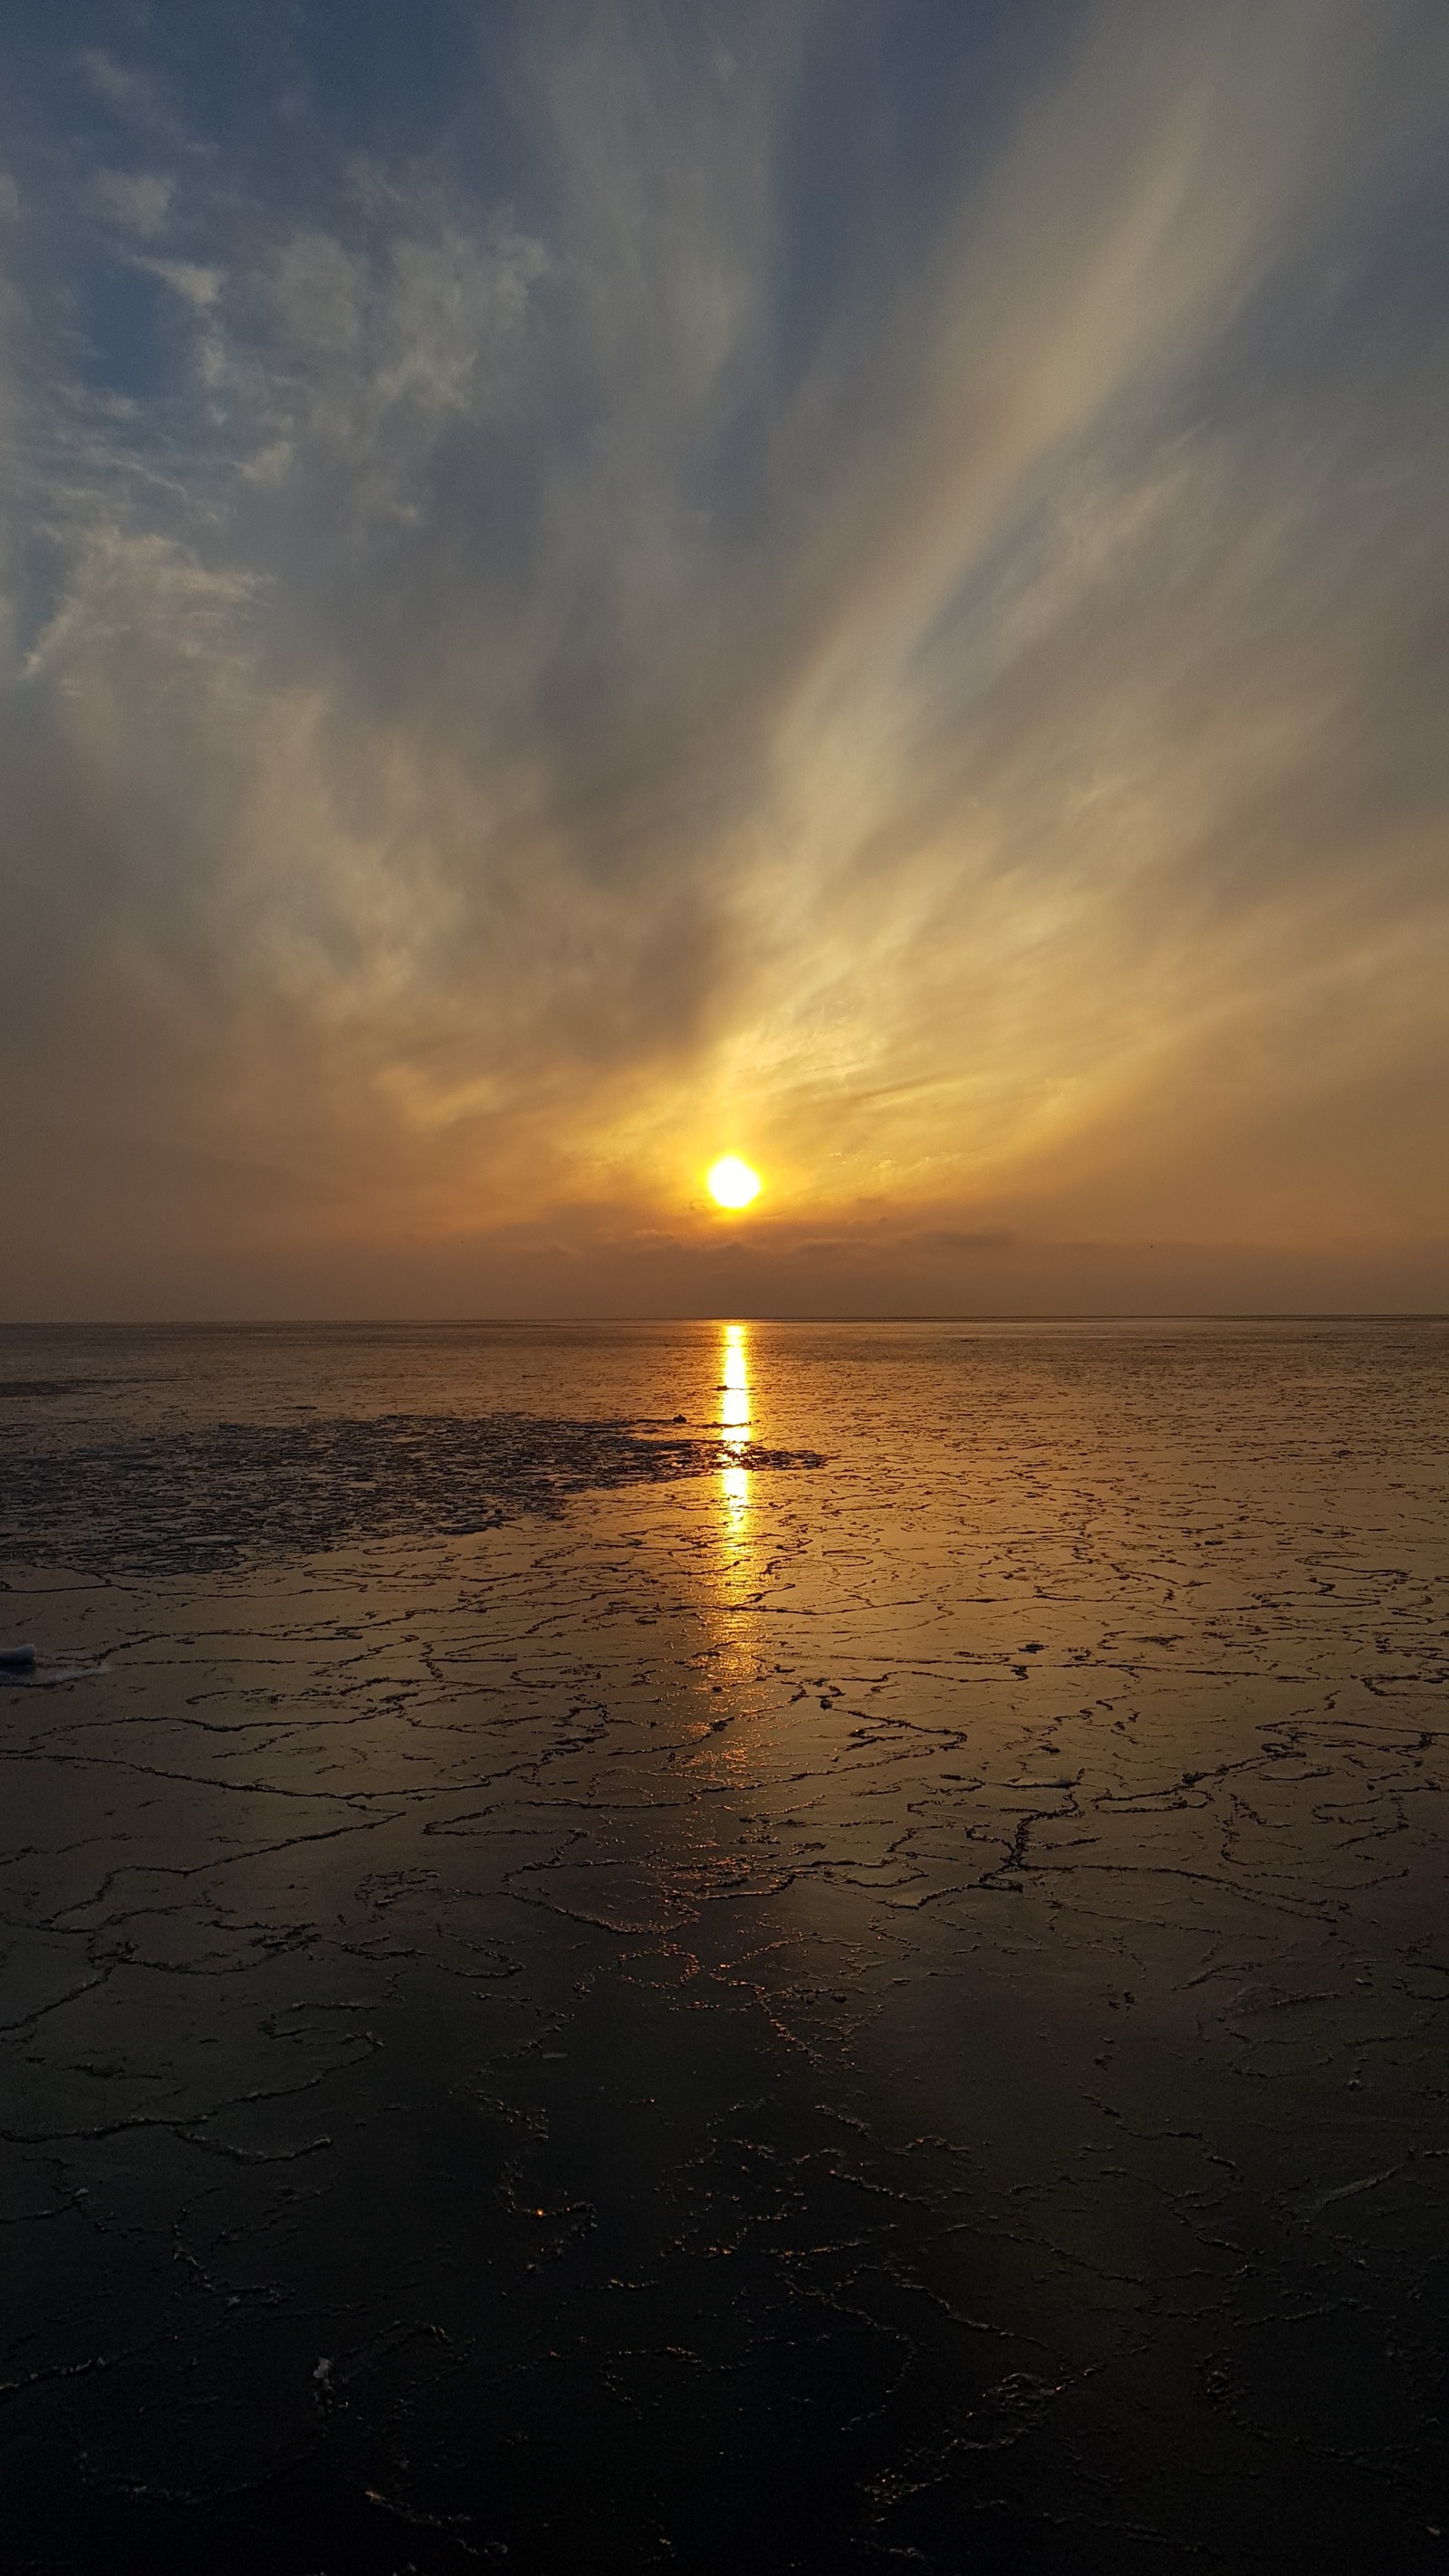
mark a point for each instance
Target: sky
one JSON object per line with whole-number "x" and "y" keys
{"x": 592, "y": 584}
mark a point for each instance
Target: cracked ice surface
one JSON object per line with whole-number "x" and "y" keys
{"x": 583, "y": 1989}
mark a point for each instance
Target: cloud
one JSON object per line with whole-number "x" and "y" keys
{"x": 137, "y": 200}
{"x": 195, "y": 285}
{"x": 955, "y": 1238}
{"x": 376, "y": 354}
{"x": 541, "y": 659}
{"x": 119, "y": 87}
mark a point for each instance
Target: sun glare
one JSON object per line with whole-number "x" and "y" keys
{"x": 732, "y": 1182}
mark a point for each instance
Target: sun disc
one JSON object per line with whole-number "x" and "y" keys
{"x": 732, "y": 1183}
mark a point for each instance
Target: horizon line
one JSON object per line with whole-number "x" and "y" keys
{"x": 455, "y": 1323}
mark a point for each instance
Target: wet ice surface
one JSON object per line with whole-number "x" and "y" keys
{"x": 885, "y": 2016}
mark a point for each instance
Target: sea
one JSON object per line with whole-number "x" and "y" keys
{"x": 744, "y": 1948}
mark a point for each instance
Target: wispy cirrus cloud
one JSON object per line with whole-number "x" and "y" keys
{"x": 533, "y": 660}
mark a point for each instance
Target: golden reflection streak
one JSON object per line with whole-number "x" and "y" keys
{"x": 734, "y": 1414}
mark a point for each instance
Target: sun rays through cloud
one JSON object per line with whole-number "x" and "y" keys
{"x": 864, "y": 579}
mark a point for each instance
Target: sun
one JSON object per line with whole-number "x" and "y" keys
{"x": 732, "y": 1182}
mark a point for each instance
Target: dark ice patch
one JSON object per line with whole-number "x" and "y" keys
{"x": 200, "y": 1502}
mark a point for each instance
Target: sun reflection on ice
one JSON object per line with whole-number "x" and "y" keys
{"x": 734, "y": 1415}
{"x": 737, "y": 1578}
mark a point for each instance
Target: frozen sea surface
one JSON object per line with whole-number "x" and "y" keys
{"x": 725, "y": 1948}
